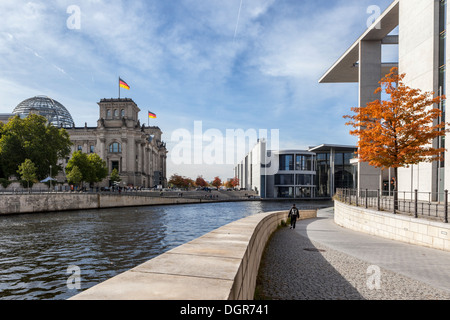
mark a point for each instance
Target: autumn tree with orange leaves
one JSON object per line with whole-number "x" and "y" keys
{"x": 399, "y": 132}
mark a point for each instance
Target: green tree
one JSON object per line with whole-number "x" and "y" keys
{"x": 35, "y": 139}
{"x": 92, "y": 167}
{"x": 27, "y": 171}
{"x": 79, "y": 160}
{"x": 99, "y": 170}
{"x": 115, "y": 177}
{"x": 75, "y": 176}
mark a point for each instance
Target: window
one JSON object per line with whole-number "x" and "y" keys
{"x": 287, "y": 162}
{"x": 122, "y": 113}
{"x": 304, "y": 179}
{"x": 304, "y": 163}
{"x": 115, "y": 147}
{"x": 80, "y": 148}
{"x": 108, "y": 114}
{"x": 285, "y": 192}
{"x": 115, "y": 165}
{"x": 92, "y": 149}
{"x": 284, "y": 179}
{"x": 116, "y": 113}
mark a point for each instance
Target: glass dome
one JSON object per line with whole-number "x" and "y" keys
{"x": 54, "y": 111}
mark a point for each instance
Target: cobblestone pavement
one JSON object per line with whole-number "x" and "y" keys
{"x": 321, "y": 261}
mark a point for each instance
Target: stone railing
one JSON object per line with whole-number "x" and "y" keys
{"x": 221, "y": 265}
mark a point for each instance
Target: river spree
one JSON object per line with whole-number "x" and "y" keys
{"x": 39, "y": 252}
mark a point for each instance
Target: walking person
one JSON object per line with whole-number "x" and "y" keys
{"x": 294, "y": 214}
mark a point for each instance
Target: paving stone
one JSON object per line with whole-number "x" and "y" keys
{"x": 295, "y": 267}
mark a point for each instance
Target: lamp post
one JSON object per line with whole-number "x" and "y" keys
{"x": 50, "y": 177}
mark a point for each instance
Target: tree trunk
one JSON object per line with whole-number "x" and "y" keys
{"x": 395, "y": 190}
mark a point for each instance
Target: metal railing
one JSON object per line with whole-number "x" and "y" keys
{"x": 420, "y": 204}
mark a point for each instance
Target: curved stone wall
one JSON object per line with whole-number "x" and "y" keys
{"x": 221, "y": 265}
{"x": 422, "y": 232}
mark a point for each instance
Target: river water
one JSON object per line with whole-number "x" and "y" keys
{"x": 38, "y": 252}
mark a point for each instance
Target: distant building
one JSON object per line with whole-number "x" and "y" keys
{"x": 136, "y": 151}
{"x": 301, "y": 174}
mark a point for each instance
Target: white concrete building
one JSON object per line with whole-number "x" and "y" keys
{"x": 420, "y": 32}
{"x": 299, "y": 174}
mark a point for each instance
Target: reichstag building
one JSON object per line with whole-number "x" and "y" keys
{"x": 136, "y": 151}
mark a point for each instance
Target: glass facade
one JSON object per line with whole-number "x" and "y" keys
{"x": 287, "y": 162}
{"x": 299, "y": 182}
{"x": 304, "y": 163}
{"x": 323, "y": 175}
{"x": 343, "y": 171}
{"x": 327, "y": 179}
{"x": 54, "y": 111}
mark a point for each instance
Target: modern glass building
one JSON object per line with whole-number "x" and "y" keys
{"x": 297, "y": 174}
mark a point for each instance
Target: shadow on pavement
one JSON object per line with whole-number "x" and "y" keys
{"x": 292, "y": 268}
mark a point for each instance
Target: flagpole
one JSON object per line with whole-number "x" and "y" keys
{"x": 119, "y": 87}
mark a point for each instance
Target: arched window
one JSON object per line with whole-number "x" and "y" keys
{"x": 115, "y": 147}
{"x": 122, "y": 113}
{"x": 108, "y": 114}
{"x": 116, "y": 113}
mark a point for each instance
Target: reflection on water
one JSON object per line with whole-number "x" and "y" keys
{"x": 37, "y": 250}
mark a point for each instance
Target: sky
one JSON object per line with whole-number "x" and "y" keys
{"x": 206, "y": 68}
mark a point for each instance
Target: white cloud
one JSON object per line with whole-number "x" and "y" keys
{"x": 186, "y": 60}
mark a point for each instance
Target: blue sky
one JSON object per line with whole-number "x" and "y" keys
{"x": 232, "y": 64}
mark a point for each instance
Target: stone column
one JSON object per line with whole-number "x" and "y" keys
{"x": 124, "y": 154}
{"x": 369, "y": 78}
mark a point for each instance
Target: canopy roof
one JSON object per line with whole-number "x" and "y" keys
{"x": 345, "y": 70}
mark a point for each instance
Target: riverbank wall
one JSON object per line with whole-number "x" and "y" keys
{"x": 221, "y": 265}
{"x": 51, "y": 202}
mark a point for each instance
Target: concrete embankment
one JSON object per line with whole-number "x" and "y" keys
{"x": 50, "y": 202}
{"x": 221, "y": 265}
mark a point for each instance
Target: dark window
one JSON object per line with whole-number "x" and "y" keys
{"x": 286, "y": 162}
{"x": 284, "y": 179}
{"x": 304, "y": 179}
{"x": 115, "y": 165}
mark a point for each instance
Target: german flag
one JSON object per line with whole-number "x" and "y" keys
{"x": 151, "y": 115}
{"x": 123, "y": 84}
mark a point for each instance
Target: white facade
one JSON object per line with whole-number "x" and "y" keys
{"x": 422, "y": 49}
